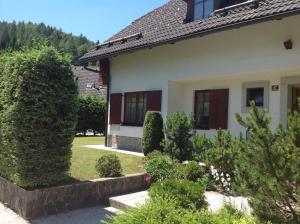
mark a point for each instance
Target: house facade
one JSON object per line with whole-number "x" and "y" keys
{"x": 205, "y": 57}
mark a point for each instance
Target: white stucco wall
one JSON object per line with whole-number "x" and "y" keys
{"x": 221, "y": 60}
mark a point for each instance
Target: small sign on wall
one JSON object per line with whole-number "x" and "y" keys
{"x": 275, "y": 87}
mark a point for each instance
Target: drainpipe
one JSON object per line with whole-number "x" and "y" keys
{"x": 107, "y": 105}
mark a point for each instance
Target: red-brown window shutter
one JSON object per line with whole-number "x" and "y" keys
{"x": 218, "y": 110}
{"x": 154, "y": 100}
{"x": 104, "y": 72}
{"x": 115, "y": 108}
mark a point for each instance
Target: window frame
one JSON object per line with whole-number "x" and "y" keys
{"x": 199, "y": 127}
{"x": 202, "y": 3}
{"x": 138, "y": 94}
{"x": 253, "y": 85}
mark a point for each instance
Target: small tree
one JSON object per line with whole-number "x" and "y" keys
{"x": 220, "y": 152}
{"x": 91, "y": 114}
{"x": 268, "y": 167}
{"x": 178, "y": 129}
{"x": 152, "y": 132}
{"x": 38, "y": 114}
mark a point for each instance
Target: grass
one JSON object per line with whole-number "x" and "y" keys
{"x": 84, "y": 159}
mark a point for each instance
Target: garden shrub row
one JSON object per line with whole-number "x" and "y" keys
{"x": 162, "y": 210}
{"x": 38, "y": 114}
{"x": 263, "y": 167}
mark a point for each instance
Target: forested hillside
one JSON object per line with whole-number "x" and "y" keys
{"x": 15, "y": 35}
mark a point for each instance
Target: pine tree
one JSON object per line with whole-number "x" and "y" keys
{"x": 268, "y": 167}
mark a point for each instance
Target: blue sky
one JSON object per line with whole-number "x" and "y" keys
{"x": 96, "y": 19}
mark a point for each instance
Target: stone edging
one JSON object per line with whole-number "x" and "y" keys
{"x": 53, "y": 200}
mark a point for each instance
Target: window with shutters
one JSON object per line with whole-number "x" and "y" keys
{"x": 202, "y": 109}
{"x": 211, "y": 109}
{"x": 135, "y": 108}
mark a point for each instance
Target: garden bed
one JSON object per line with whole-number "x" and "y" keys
{"x": 47, "y": 201}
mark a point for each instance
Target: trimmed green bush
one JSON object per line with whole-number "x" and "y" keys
{"x": 38, "y": 114}
{"x": 178, "y": 129}
{"x": 152, "y": 155}
{"x": 91, "y": 114}
{"x": 187, "y": 193}
{"x": 193, "y": 171}
{"x": 152, "y": 132}
{"x": 161, "y": 168}
{"x": 109, "y": 166}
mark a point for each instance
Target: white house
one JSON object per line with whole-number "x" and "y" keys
{"x": 207, "y": 57}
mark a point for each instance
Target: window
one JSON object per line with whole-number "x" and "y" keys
{"x": 256, "y": 95}
{"x": 211, "y": 109}
{"x": 202, "y": 8}
{"x": 202, "y": 109}
{"x": 257, "y": 92}
{"x": 135, "y": 108}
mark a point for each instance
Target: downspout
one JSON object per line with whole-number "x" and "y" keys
{"x": 107, "y": 105}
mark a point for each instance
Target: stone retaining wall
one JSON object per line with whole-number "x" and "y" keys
{"x": 124, "y": 142}
{"x": 53, "y": 200}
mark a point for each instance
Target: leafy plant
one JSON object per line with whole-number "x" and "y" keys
{"x": 193, "y": 171}
{"x": 268, "y": 167}
{"x": 38, "y": 114}
{"x": 161, "y": 168}
{"x": 161, "y": 210}
{"x": 188, "y": 194}
{"x": 152, "y": 132}
{"x": 109, "y": 166}
{"x": 220, "y": 152}
{"x": 178, "y": 130}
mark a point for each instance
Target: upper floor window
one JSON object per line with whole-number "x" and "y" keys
{"x": 203, "y": 8}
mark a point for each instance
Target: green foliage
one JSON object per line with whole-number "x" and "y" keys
{"x": 38, "y": 114}
{"x": 220, "y": 152}
{"x": 193, "y": 171}
{"x": 187, "y": 193}
{"x": 161, "y": 168}
{"x": 109, "y": 166}
{"x": 152, "y": 155}
{"x": 14, "y": 36}
{"x": 178, "y": 130}
{"x": 91, "y": 114}
{"x": 268, "y": 167}
{"x": 152, "y": 132}
{"x": 160, "y": 210}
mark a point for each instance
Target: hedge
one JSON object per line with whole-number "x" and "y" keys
{"x": 38, "y": 114}
{"x": 91, "y": 114}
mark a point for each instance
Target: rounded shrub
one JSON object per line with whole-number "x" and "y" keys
{"x": 152, "y": 132}
{"x": 193, "y": 171}
{"x": 38, "y": 114}
{"x": 160, "y": 168}
{"x": 152, "y": 155}
{"x": 188, "y": 194}
{"x": 109, "y": 166}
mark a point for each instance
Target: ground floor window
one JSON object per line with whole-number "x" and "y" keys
{"x": 135, "y": 108}
{"x": 257, "y": 92}
{"x": 211, "y": 108}
{"x": 202, "y": 109}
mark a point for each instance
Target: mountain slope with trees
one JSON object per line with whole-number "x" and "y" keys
{"x": 14, "y": 36}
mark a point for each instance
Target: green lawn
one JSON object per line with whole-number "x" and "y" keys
{"x": 84, "y": 159}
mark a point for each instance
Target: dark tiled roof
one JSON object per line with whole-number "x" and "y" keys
{"x": 85, "y": 79}
{"x": 166, "y": 24}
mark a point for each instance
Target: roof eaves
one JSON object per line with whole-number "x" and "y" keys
{"x": 276, "y": 16}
